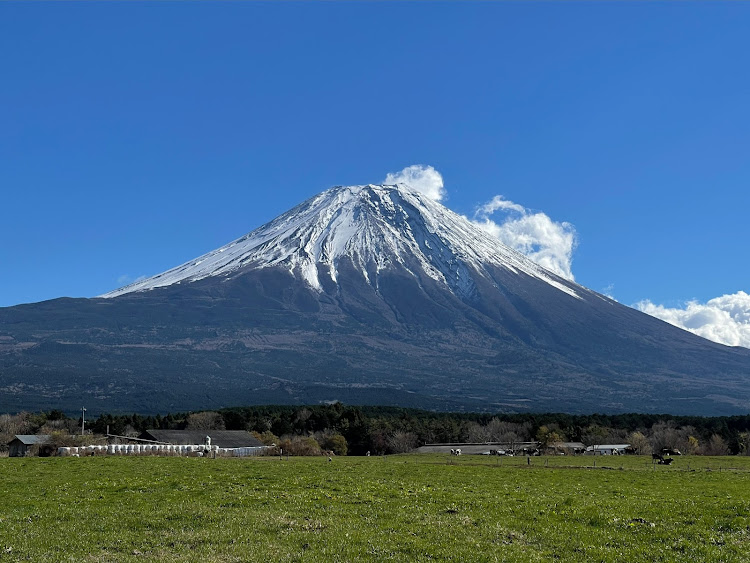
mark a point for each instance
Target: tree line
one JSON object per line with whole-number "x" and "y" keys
{"x": 380, "y": 430}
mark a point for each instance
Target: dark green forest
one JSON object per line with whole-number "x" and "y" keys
{"x": 393, "y": 429}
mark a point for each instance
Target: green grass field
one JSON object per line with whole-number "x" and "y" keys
{"x": 429, "y": 507}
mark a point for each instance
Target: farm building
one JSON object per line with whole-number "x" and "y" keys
{"x": 220, "y": 438}
{"x": 607, "y": 449}
{"x": 20, "y": 445}
{"x": 519, "y": 448}
{"x": 570, "y": 448}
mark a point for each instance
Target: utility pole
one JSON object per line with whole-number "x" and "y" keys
{"x": 83, "y": 420}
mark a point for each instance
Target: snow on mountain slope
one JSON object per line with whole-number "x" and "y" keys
{"x": 373, "y": 225}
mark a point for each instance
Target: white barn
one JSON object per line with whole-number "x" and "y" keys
{"x": 607, "y": 449}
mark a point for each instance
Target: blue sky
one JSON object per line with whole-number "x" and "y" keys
{"x": 135, "y": 136}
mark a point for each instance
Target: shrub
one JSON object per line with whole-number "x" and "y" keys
{"x": 336, "y": 443}
{"x": 299, "y": 445}
{"x": 268, "y": 438}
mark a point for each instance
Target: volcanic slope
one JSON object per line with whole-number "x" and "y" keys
{"x": 364, "y": 294}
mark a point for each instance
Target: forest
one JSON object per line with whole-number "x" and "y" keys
{"x": 355, "y": 430}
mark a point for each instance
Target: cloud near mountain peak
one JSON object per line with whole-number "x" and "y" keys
{"x": 424, "y": 179}
{"x": 547, "y": 242}
{"x": 724, "y": 319}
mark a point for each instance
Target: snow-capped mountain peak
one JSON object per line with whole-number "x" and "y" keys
{"x": 375, "y": 227}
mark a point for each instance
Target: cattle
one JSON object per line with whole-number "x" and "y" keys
{"x": 659, "y": 459}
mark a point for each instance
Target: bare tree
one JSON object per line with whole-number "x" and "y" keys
{"x": 664, "y": 435}
{"x": 402, "y": 442}
{"x": 10, "y": 425}
{"x": 207, "y": 420}
{"x": 68, "y": 425}
{"x": 478, "y": 433}
{"x": 639, "y": 443}
{"x": 500, "y": 431}
{"x": 716, "y": 446}
{"x": 745, "y": 443}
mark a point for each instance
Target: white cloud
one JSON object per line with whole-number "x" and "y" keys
{"x": 609, "y": 291}
{"x": 548, "y": 243}
{"x": 498, "y": 202}
{"x": 422, "y": 178}
{"x": 724, "y": 319}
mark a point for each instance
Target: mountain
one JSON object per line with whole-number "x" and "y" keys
{"x": 364, "y": 294}
{"x": 373, "y": 229}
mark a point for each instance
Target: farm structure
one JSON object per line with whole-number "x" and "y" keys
{"x": 21, "y": 444}
{"x": 236, "y": 443}
{"x": 221, "y": 438}
{"x": 608, "y": 449}
{"x": 573, "y": 447}
{"x": 200, "y": 443}
{"x": 233, "y": 443}
{"x": 149, "y": 447}
{"x": 524, "y": 448}
{"x": 569, "y": 448}
{"x": 482, "y": 448}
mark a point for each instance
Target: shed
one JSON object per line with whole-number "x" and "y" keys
{"x": 220, "y": 438}
{"x": 574, "y": 448}
{"x": 480, "y": 447}
{"x": 607, "y": 449}
{"x": 20, "y": 445}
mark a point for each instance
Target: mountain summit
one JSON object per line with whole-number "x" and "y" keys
{"x": 373, "y": 228}
{"x": 369, "y": 294}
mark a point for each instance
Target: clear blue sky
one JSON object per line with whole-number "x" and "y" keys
{"x": 135, "y": 136}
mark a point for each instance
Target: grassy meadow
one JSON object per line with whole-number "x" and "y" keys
{"x": 426, "y": 507}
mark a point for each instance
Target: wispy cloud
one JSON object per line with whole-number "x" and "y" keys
{"x": 724, "y": 319}
{"x": 422, "y": 178}
{"x": 548, "y": 243}
{"x": 609, "y": 291}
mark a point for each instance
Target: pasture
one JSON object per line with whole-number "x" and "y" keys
{"x": 427, "y": 507}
